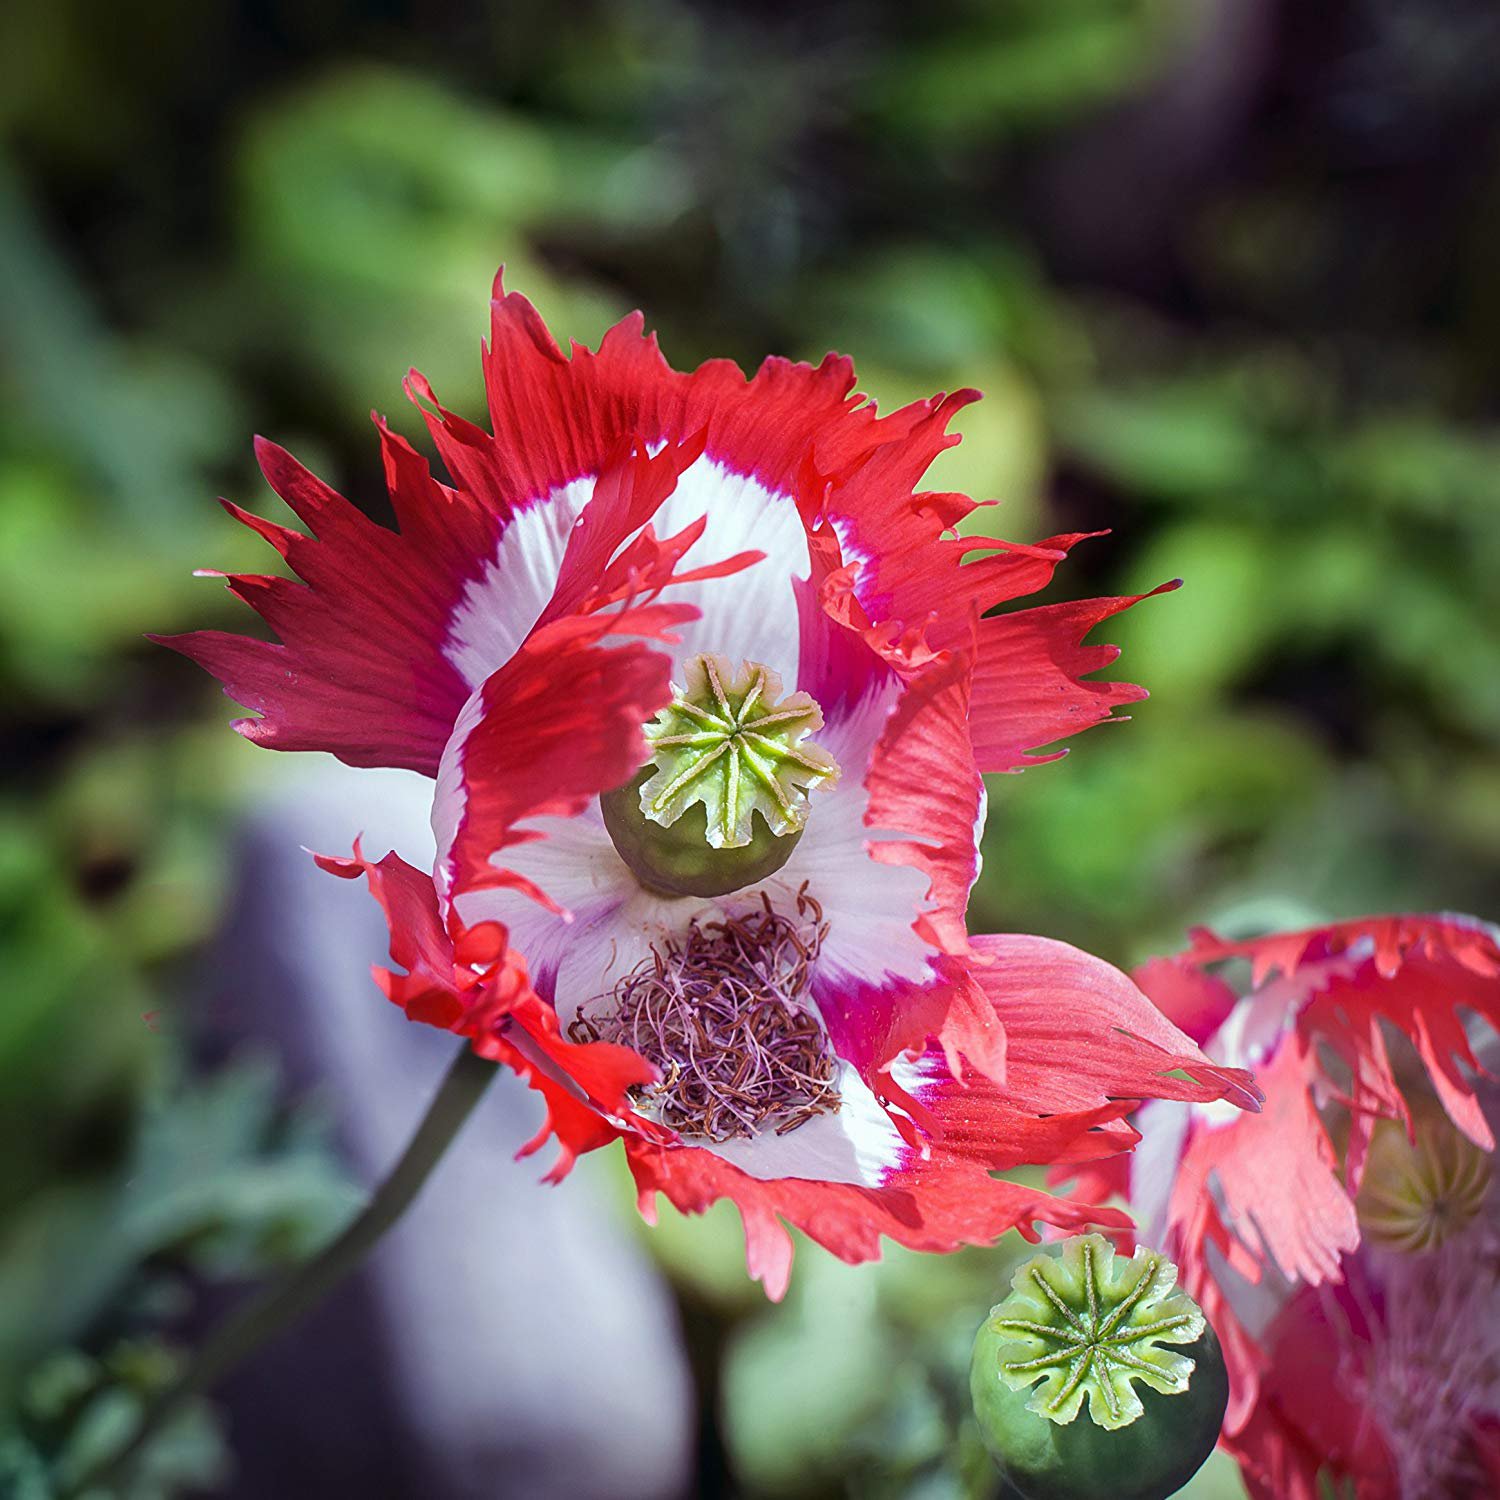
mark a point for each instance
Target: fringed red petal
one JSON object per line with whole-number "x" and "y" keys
{"x": 495, "y": 1008}
{"x": 937, "y": 1204}
{"x": 556, "y": 417}
{"x": 1419, "y": 974}
{"x": 1278, "y": 1175}
{"x": 1080, "y": 1034}
{"x": 1390, "y": 940}
{"x": 1029, "y": 680}
{"x": 359, "y": 669}
{"x": 922, "y": 779}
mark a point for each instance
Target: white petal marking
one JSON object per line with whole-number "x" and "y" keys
{"x": 500, "y": 606}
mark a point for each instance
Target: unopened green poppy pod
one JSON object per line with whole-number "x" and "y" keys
{"x": 1097, "y": 1378}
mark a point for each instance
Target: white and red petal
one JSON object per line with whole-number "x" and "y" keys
{"x": 359, "y": 668}
{"x": 389, "y": 630}
{"x": 756, "y": 619}
{"x": 938, "y": 1191}
{"x": 1419, "y": 974}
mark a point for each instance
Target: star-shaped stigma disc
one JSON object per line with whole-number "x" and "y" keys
{"x": 731, "y": 742}
{"x": 1088, "y": 1325}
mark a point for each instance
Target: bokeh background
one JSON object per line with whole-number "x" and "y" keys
{"x": 1226, "y": 271}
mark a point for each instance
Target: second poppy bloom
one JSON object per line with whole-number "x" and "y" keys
{"x": 1345, "y": 1243}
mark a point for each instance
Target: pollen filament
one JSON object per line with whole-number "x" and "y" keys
{"x": 721, "y": 1013}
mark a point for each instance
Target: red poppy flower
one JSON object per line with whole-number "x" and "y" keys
{"x": 707, "y": 688}
{"x": 1345, "y": 1242}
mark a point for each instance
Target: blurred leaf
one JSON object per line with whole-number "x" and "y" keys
{"x": 78, "y": 589}
{"x": 928, "y": 309}
{"x": 1194, "y": 644}
{"x": 1116, "y": 845}
{"x": 1184, "y": 441}
{"x": 378, "y": 246}
{"x": 862, "y": 1373}
{"x": 136, "y": 419}
{"x": 59, "y": 1262}
{"x": 1027, "y": 64}
{"x": 218, "y": 1178}
{"x": 217, "y": 1175}
{"x": 797, "y": 1383}
{"x": 77, "y": 1412}
{"x": 1407, "y": 462}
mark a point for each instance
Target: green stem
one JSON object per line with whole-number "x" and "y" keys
{"x": 262, "y": 1317}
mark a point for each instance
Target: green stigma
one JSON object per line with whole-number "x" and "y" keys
{"x": 734, "y": 745}
{"x": 723, "y": 797}
{"x": 1087, "y": 1325}
{"x": 1082, "y": 1331}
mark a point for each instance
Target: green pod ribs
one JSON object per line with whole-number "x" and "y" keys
{"x": 1098, "y": 1379}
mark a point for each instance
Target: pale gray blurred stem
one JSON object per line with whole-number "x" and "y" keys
{"x": 260, "y": 1318}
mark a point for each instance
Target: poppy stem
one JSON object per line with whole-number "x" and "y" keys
{"x": 261, "y": 1317}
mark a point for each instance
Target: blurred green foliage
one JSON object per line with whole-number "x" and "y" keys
{"x": 216, "y": 1182}
{"x": 1229, "y": 287}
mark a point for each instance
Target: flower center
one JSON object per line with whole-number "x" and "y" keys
{"x": 1418, "y": 1194}
{"x": 720, "y": 1015}
{"x": 722, "y": 799}
{"x": 1086, "y": 1324}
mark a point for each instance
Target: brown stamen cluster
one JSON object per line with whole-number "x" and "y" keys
{"x": 719, "y": 1013}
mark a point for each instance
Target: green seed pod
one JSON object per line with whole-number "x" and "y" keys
{"x": 1076, "y": 1397}
{"x": 679, "y": 860}
{"x": 722, "y": 800}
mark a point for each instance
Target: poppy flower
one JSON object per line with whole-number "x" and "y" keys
{"x": 1386, "y": 1381}
{"x": 1345, "y": 1242}
{"x": 707, "y": 688}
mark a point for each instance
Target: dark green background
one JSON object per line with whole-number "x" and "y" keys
{"x": 1226, "y": 271}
